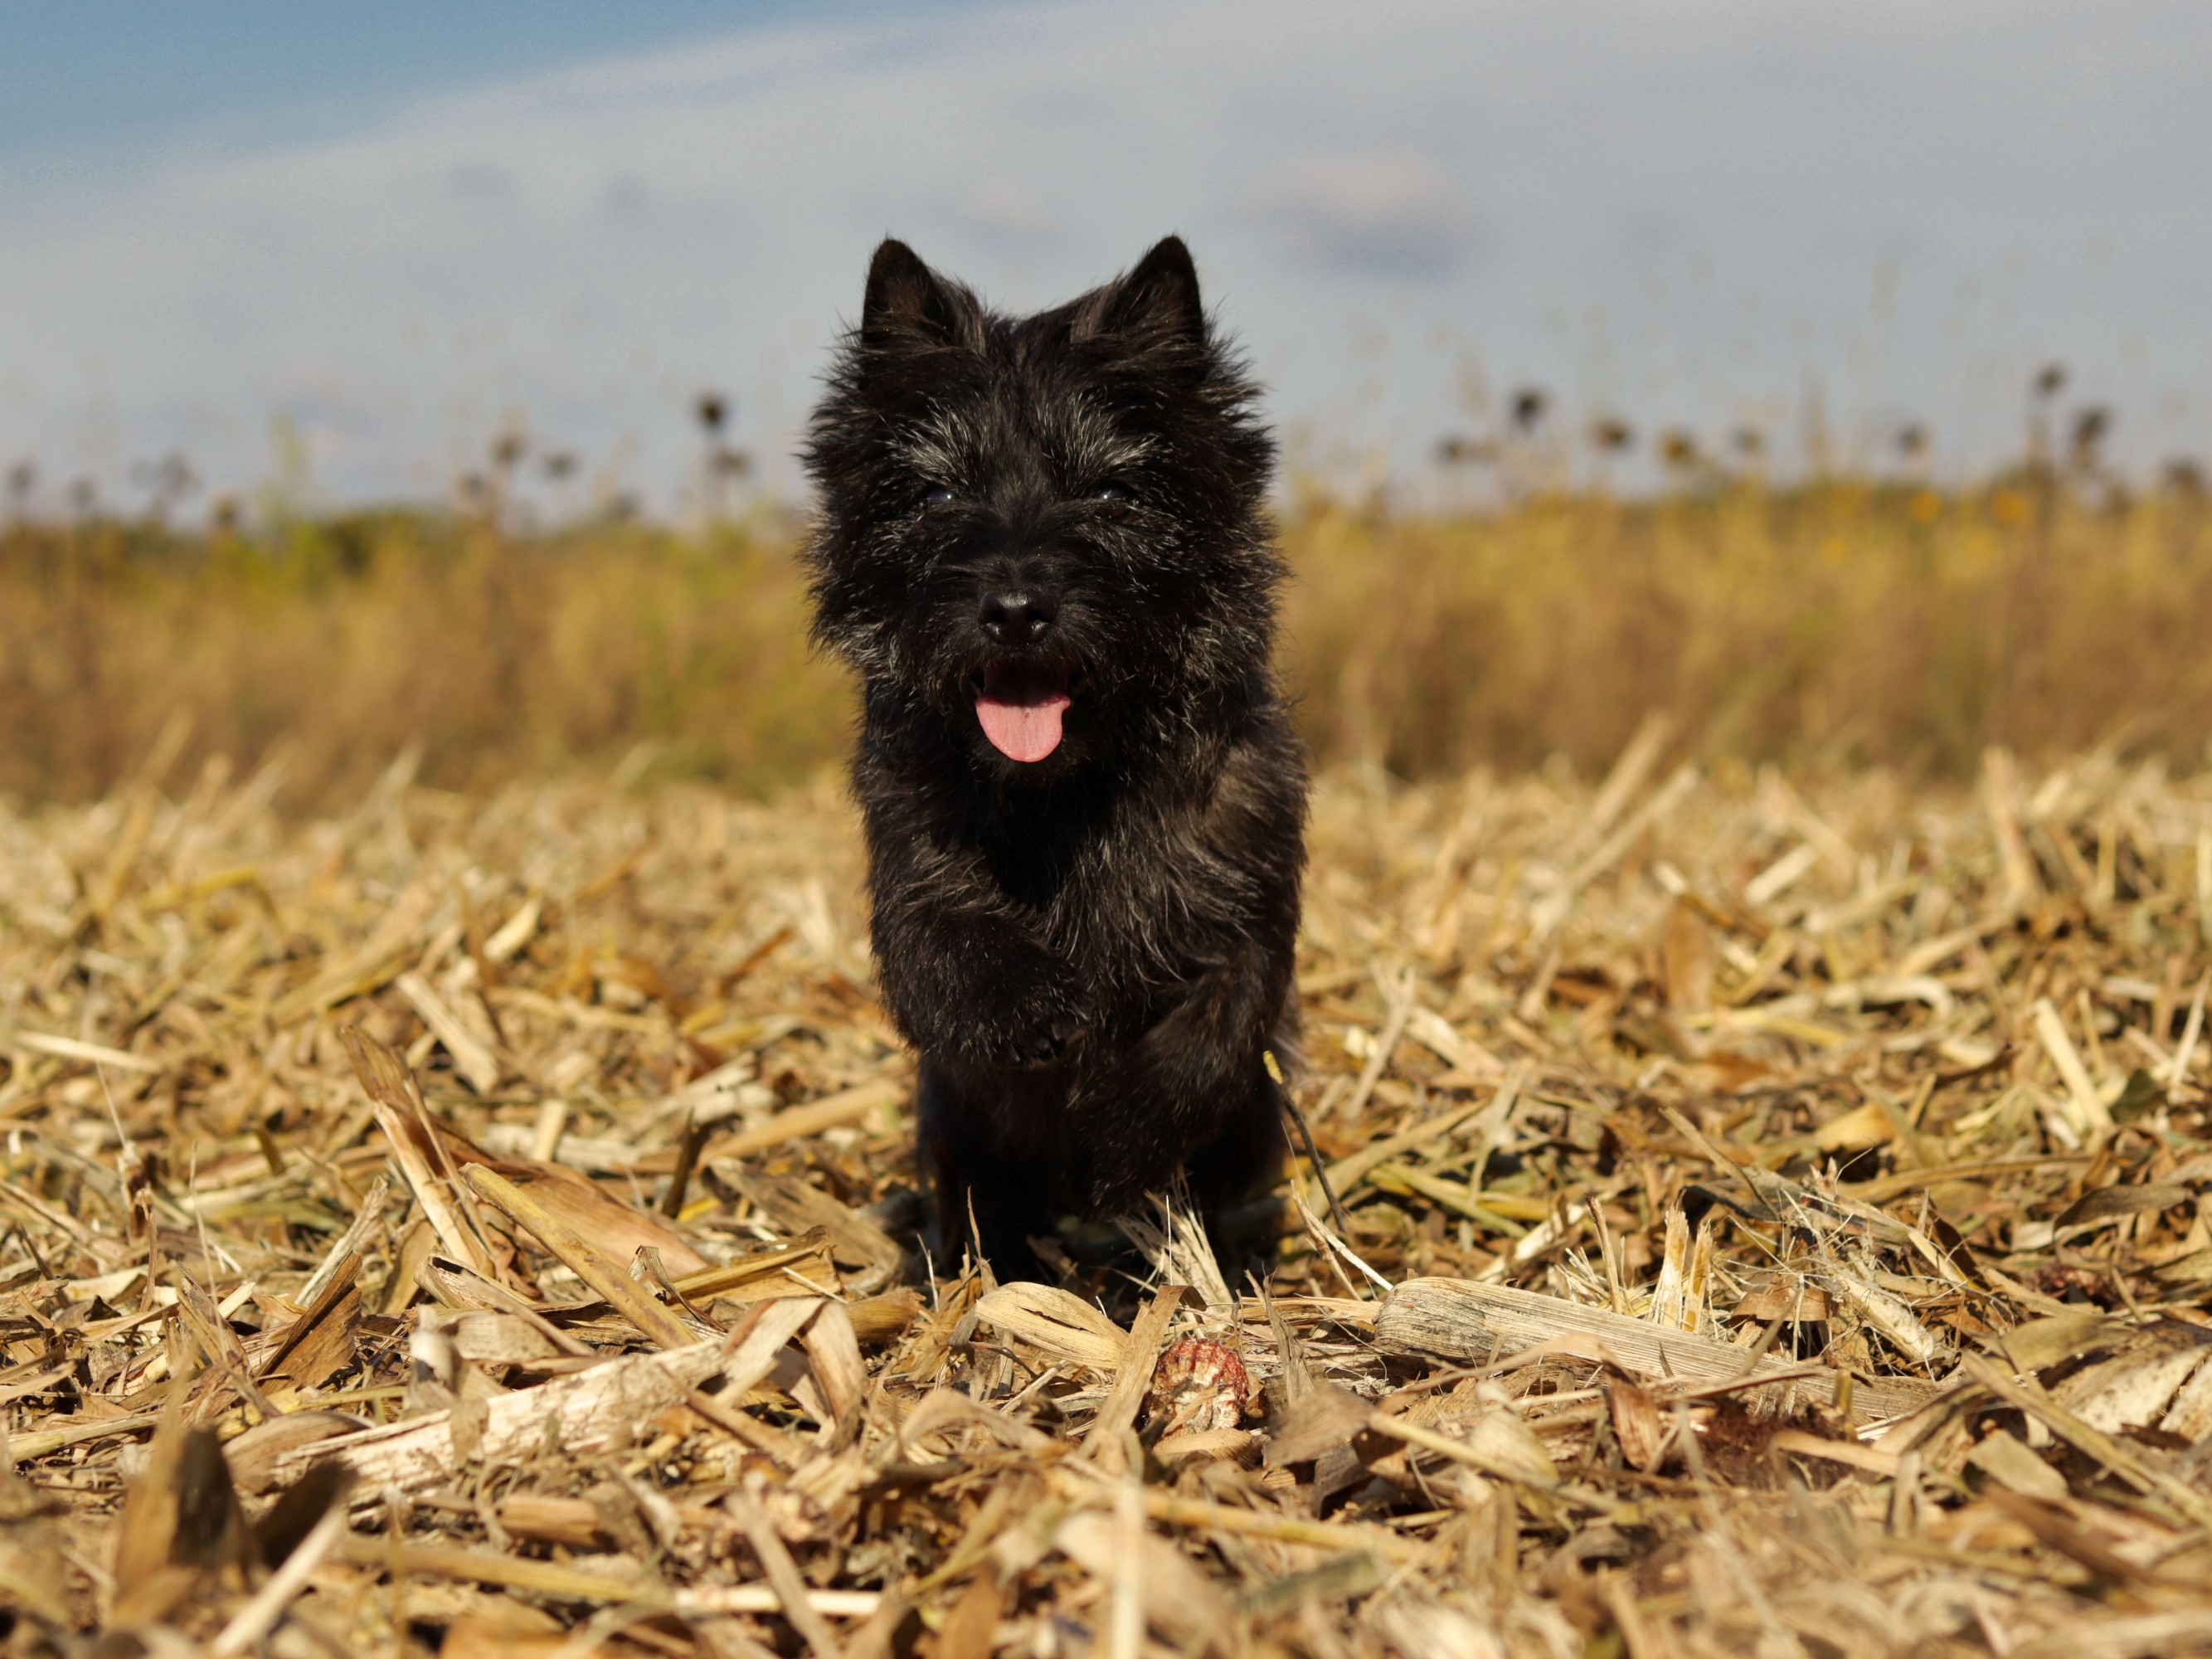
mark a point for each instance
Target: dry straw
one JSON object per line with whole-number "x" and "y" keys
{"x": 488, "y": 1221}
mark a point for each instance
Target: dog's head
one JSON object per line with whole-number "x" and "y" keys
{"x": 1046, "y": 533}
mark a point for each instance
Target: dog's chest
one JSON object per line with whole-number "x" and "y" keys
{"x": 1132, "y": 905}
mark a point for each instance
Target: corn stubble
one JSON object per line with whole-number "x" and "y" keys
{"x": 1769, "y": 1219}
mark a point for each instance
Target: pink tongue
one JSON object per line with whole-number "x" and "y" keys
{"x": 1025, "y": 731}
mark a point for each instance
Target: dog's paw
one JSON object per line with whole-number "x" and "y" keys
{"x": 1032, "y": 1045}
{"x": 1029, "y": 1051}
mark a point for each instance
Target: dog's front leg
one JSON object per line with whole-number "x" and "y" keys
{"x": 974, "y": 986}
{"x": 1195, "y": 1080}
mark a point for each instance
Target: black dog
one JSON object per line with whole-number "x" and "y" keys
{"x": 1042, "y": 545}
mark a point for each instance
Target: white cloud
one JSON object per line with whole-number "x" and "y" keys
{"x": 593, "y": 246}
{"x": 996, "y": 209}
{"x": 1393, "y": 215}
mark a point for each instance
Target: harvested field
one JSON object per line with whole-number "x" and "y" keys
{"x": 1770, "y": 1221}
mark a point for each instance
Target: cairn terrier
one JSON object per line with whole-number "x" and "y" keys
{"x": 1042, "y": 545}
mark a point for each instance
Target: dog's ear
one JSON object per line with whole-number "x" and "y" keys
{"x": 906, "y": 302}
{"x": 1160, "y": 296}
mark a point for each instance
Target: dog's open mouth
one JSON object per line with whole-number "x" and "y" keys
{"x": 1021, "y": 703}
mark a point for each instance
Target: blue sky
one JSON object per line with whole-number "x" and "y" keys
{"x": 390, "y": 233}
{"x": 137, "y": 75}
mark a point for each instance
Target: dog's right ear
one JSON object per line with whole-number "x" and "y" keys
{"x": 906, "y": 302}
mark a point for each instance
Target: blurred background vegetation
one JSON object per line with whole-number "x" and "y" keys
{"x": 1849, "y": 618}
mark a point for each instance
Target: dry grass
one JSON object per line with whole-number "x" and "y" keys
{"x": 330, "y": 646}
{"x": 1882, "y": 624}
{"x": 1845, "y": 1143}
{"x": 1875, "y": 623}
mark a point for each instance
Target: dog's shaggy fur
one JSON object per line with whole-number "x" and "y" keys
{"x": 1042, "y": 545}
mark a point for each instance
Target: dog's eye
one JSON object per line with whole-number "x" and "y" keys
{"x": 1116, "y": 498}
{"x": 939, "y": 500}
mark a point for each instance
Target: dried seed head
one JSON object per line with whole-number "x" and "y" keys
{"x": 1612, "y": 433}
{"x": 2092, "y": 426}
{"x": 1458, "y": 450}
{"x": 1199, "y": 1384}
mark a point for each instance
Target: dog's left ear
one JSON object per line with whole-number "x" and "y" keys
{"x": 1160, "y": 296}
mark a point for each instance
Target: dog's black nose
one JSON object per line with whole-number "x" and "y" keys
{"x": 1017, "y": 616}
